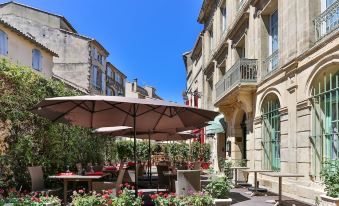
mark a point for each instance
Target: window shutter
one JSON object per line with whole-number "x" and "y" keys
{"x": 94, "y": 75}
{"x": 3, "y": 43}
{"x": 103, "y": 82}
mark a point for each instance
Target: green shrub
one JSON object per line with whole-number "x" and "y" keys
{"x": 219, "y": 188}
{"x": 330, "y": 176}
{"x": 36, "y": 141}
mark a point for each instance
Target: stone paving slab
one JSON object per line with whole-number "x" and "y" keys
{"x": 241, "y": 197}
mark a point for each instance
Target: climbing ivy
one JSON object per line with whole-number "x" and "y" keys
{"x": 31, "y": 140}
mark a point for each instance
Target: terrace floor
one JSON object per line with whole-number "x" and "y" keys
{"x": 241, "y": 197}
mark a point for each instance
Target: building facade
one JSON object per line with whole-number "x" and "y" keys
{"x": 272, "y": 68}
{"x": 23, "y": 50}
{"x": 82, "y": 60}
{"x": 115, "y": 81}
{"x": 133, "y": 90}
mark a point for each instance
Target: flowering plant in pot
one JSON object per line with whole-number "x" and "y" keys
{"x": 37, "y": 199}
{"x": 196, "y": 199}
{"x": 219, "y": 189}
{"x": 330, "y": 176}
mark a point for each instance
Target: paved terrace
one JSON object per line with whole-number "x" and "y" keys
{"x": 240, "y": 197}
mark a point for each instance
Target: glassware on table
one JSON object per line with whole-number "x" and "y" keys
{"x": 68, "y": 171}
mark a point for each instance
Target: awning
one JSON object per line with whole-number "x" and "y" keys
{"x": 218, "y": 125}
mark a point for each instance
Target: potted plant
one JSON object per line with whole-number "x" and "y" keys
{"x": 330, "y": 176}
{"x": 196, "y": 199}
{"x": 219, "y": 189}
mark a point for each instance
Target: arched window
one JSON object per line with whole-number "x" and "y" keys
{"x": 3, "y": 43}
{"x": 271, "y": 133}
{"x": 36, "y": 60}
{"x": 325, "y": 118}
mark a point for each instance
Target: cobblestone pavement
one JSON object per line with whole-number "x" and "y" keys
{"x": 241, "y": 197}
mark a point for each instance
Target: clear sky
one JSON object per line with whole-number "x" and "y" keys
{"x": 145, "y": 38}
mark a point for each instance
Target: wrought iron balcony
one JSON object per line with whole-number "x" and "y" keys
{"x": 328, "y": 21}
{"x": 243, "y": 72}
{"x": 240, "y": 4}
{"x": 270, "y": 64}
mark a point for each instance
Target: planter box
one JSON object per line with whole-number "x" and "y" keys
{"x": 329, "y": 201}
{"x": 222, "y": 202}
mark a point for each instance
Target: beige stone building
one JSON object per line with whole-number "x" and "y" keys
{"x": 82, "y": 60}
{"x": 132, "y": 89}
{"x": 115, "y": 81}
{"x": 22, "y": 49}
{"x": 272, "y": 68}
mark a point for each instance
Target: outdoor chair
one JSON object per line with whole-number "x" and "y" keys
{"x": 37, "y": 180}
{"x": 79, "y": 168}
{"x": 163, "y": 181}
{"x": 114, "y": 186}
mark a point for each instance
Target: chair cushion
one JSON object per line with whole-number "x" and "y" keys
{"x": 258, "y": 189}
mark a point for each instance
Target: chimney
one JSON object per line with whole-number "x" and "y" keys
{"x": 135, "y": 84}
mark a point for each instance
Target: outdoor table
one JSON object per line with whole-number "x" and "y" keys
{"x": 255, "y": 171}
{"x": 280, "y": 175}
{"x": 171, "y": 177}
{"x": 236, "y": 174}
{"x": 76, "y": 178}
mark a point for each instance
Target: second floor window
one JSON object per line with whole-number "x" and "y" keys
{"x": 96, "y": 77}
{"x": 211, "y": 40}
{"x": 3, "y": 43}
{"x": 36, "y": 60}
{"x": 274, "y": 43}
{"x": 223, "y": 18}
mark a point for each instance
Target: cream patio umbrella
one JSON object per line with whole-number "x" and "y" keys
{"x": 168, "y": 135}
{"x": 140, "y": 114}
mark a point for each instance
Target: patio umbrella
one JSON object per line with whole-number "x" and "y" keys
{"x": 167, "y": 135}
{"x": 106, "y": 111}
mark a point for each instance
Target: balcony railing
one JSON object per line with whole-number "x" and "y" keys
{"x": 240, "y": 4}
{"x": 270, "y": 64}
{"x": 243, "y": 71}
{"x": 328, "y": 21}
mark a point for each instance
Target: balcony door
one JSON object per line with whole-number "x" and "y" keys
{"x": 274, "y": 41}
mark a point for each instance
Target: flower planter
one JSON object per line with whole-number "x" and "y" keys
{"x": 329, "y": 201}
{"x": 222, "y": 202}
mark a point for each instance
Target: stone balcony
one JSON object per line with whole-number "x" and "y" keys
{"x": 327, "y": 22}
{"x": 242, "y": 76}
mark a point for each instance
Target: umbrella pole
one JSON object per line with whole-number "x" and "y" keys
{"x": 149, "y": 160}
{"x": 135, "y": 151}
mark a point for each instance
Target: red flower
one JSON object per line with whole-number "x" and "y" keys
{"x": 140, "y": 194}
{"x": 160, "y": 193}
{"x": 165, "y": 195}
{"x": 105, "y": 196}
{"x": 153, "y": 197}
{"x": 81, "y": 191}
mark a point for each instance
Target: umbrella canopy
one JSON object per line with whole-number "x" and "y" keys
{"x": 167, "y": 135}
{"x": 107, "y": 111}
{"x": 217, "y": 126}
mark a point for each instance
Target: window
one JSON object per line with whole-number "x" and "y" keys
{"x": 274, "y": 41}
{"x": 3, "y": 43}
{"x": 117, "y": 78}
{"x": 109, "y": 73}
{"x": 211, "y": 40}
{"x": 332, "y": 21}
{"x": 325, "y": 120}
{"x": 109, "y": 92}
{"x": 97, "y": 78}
{"x": 223, "y": 18}
{"x": 271, "y": 133}
{"x": 36, "y": 60}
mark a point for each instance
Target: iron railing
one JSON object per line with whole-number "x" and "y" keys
{"x": 243, "y": 71}
{"x": 270, "y": 64}
{"x": 240, "y": 4}
{"x": 328, "y": 21}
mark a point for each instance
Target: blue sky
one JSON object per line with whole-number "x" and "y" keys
{"x": 145, "y": 38}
